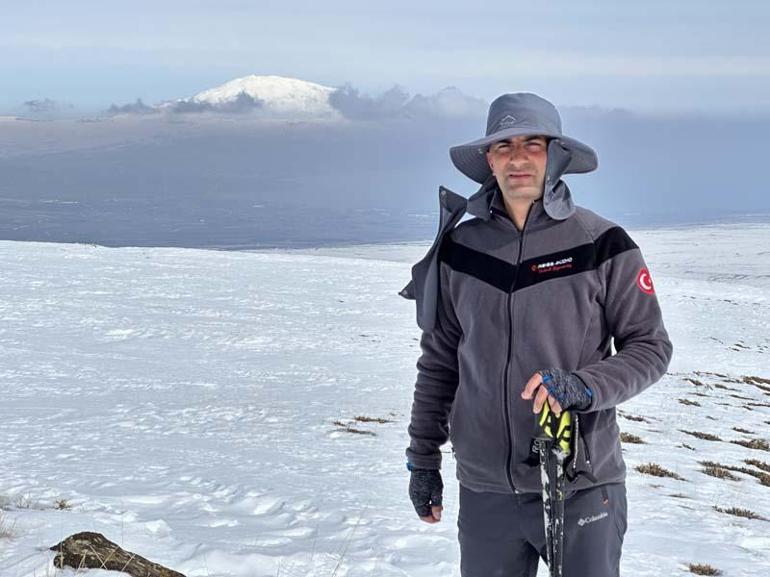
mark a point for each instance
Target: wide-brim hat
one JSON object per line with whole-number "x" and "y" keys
{"x": 519, "y": 114}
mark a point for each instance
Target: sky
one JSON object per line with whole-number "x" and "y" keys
{"x": 660, "y": 56}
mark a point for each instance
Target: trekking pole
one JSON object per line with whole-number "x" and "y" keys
{"x": 553, "y": 440}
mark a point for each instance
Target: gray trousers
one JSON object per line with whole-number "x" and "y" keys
{"x": 504, "y": 536}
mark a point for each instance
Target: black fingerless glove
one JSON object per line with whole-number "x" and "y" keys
{"x": 425, "y": 490}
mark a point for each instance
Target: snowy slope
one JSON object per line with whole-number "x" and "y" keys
{"x": 184, "y": 403}
{"x": 279, "y": 94}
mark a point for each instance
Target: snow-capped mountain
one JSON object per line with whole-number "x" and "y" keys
{"x": 272, "y": 94}
{"x": 293, "y": 98}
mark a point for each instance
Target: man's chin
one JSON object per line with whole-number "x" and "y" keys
{"x": 523, "y": 192}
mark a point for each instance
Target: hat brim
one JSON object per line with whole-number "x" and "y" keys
{"x": 471, "y": 159}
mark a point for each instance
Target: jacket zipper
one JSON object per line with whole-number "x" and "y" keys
{"x": 506, "y": 386}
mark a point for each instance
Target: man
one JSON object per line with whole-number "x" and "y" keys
{"x": 533, "y": 288}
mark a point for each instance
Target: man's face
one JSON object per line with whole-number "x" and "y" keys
{"x": 519, "y": 166}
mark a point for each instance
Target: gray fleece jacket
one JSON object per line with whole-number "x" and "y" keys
{"x": 496, "y": 305}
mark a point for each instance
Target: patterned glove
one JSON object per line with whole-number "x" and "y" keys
{"x": 567, "y": 388}
{"x": 425, "y": 490}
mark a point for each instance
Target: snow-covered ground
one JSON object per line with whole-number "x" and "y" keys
{"x": 191, "y": 406}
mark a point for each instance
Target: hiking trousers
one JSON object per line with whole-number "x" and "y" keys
{"x": 504, "y": 536}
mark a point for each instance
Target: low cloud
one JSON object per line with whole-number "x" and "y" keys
{"x": 449, "y": 102}
{"x": 397, "y": 103}
{"x": 356, "y": 106}
{"x": 189, "y": 107}
{"x": 137, "y": 107}
{"x": 243, "y": 103}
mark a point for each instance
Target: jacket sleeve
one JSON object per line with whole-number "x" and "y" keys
{"x": 437, "y": 378}
{"x": 635, "y": 323}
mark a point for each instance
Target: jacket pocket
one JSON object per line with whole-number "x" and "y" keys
{"x": 580, "y": 462}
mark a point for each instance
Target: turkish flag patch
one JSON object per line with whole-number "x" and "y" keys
{"x": 644, "y": 281}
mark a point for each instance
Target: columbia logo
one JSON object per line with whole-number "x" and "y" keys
{"x": 587, "y": 520}
{"x": 506, "y": 122}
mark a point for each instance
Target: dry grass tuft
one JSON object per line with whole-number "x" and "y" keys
{"x": 702, "y": 569}
{"x": 713, "y": 374}
{"x": 657, "y": 471}
{"x": 719, "y": 472}
{"x": 740, "y": 513}
{"x": 348, "y": 429}
{"x": 763, "y": 478}
{"x": 365, "y": 419}
{"x": 689, "y": 402}
{"x": 759, "y": 444}
{"x": 702, "y": 436}
{"x": 718, "y": 386}
{"x": 629, "y": 438}
{"x": 635, "y": 418}
{"x": 745, "y": 431}
{"x": 758, "y": 464}
{"x": 751, "y": 380}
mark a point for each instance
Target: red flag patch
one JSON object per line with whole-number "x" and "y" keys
{"x": 644, "y": 281}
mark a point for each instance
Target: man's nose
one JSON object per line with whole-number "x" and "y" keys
{"x": 519, "y": 153}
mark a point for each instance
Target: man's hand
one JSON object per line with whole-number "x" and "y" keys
{"x": 425, "y": 491}
{"x": 562, "y": 389}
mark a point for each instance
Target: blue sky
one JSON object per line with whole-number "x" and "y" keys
{"x": 688, "y": 55}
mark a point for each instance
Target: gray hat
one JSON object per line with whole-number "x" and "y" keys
{"x": 519, "y": 114}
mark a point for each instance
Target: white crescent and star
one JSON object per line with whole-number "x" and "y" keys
{"x": 644, "y": 280}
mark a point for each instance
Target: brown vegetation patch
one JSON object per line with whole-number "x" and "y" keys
{"x": 365, "y": 419}
{"x": 657, "y": 471}
{"x": 758, "y": 464}
{"x": 763, "y": 478}
{"x": 752, "y": 380}
{"x": 702, "y": 436}
{"x": 726, "y": 388}
{"x": 703, "y": 569}
{"x": 348, "y": 429}
{"x": 740, "y": 513}
{"x": 630, "y": 438}
{"x": 689, "y": 402}
{"x": 759, "y": 444}
{"x": 715, "y": 470}
{"x": 635, "y": 418}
